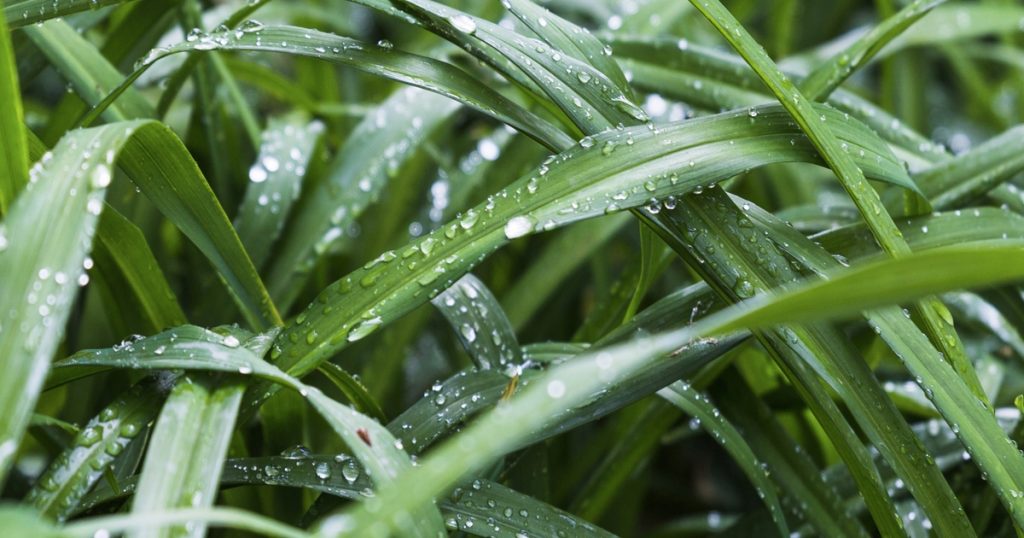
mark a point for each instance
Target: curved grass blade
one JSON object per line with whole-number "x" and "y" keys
{"x": 804, "y": 490}
{"x": 570, "y": 39}
{"x": 697, "y": 405}
{"x": 356, "y": 393}
{"x": 190, "y": 442}
{"x": 479, "y": 323}
{"x": 479, "y": 508}
{"x": 592, "y": 101}
{"x": 193, "y": 348}
{"x": 161, "y": 166}
{"x": 970, "y": 421}
{"x": 750, "y": 264}
{"x": 14, "y": 152}
{"x": 276, "y": 179}
{"x": 43, "y": 266}
{"x": 124, "y": 260}
{"x": 586, "y": 181}
{"x": 453, "y": 401}
{"x": 496, "y": 510}
{"x": 435, "y": 76}
{"x": 574, "y": 381}
{"x": 711, "y": 79}
{"x": 67, "y": 480}
{"x": 934, "y": 315}
{"x": 925, "y": 232}
{"x": 25, "y": 12}
{"x": 954, "y": 183}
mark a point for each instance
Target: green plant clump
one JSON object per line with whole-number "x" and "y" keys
{"x": 612, "y": 268}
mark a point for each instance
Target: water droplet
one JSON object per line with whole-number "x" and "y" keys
{"x": 556, "y": 389}
{"x": 350, "y": 471}
{"x": 231, "y": 341}
{"x": 364, "y": 329}
{"x": 323, "y": 471}
{"x": 100, "y": 177}
{"x": 743, "y": 288}
{"x": 257, "y": 174}
{"x": 463, "y": 23}
{"x": 518, "y": 227}
{"x": 90, "y": 436}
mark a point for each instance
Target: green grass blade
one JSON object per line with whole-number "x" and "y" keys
{"x": 479, "y": 323}
{"x": 276, "y": 179}
{"x": 828, "y": 76}
{"x": 193, "y": 348}
{"x": 589, "y": 180}
{"x": 124, "y": 258}
{"x": 67, "y": 480}
{"x": 479, "y": 508}
{"x": 360, "y": 172}
{"x": 697, "y": 405}
{"x": 587, "y": 96}
{"x": 751, "y": 266}
{"x": 14, "y": 155}
{"x": 930, "y": 231}
{"x": 25, "y": 12}
{"x": 971, "y": 422}
{"x": 42, "y": 266}
{"x": 426, "y": 73}
{"x": 85, "y": 68}
{"x": 570, "y": 39}
{"x": 798, "y": 478}
{"x": 353, "y": 389}
{"x": 710, "y": 79}
{"x": 884, "y": 230}
{"x": 161, "y": 166}
{"x": 954, "y": 183}
{"x": 576, "y": 380}
{"x": 189, "y": 438}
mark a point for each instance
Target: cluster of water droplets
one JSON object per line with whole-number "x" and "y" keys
{"x": 70, "y": 477}
{"x": 253, "y": 34}
{"x": 341, "y": 473}
{"x": 483, "y": 508}
{"x": 275, "y": 180}
{"x": 48, "y": 295}
{"x": 480, "y": 323}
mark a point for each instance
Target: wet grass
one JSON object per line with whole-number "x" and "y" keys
{"x": 407, "y": 268}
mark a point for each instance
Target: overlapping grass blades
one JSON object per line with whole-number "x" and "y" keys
{"x": 375, "y": 198}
